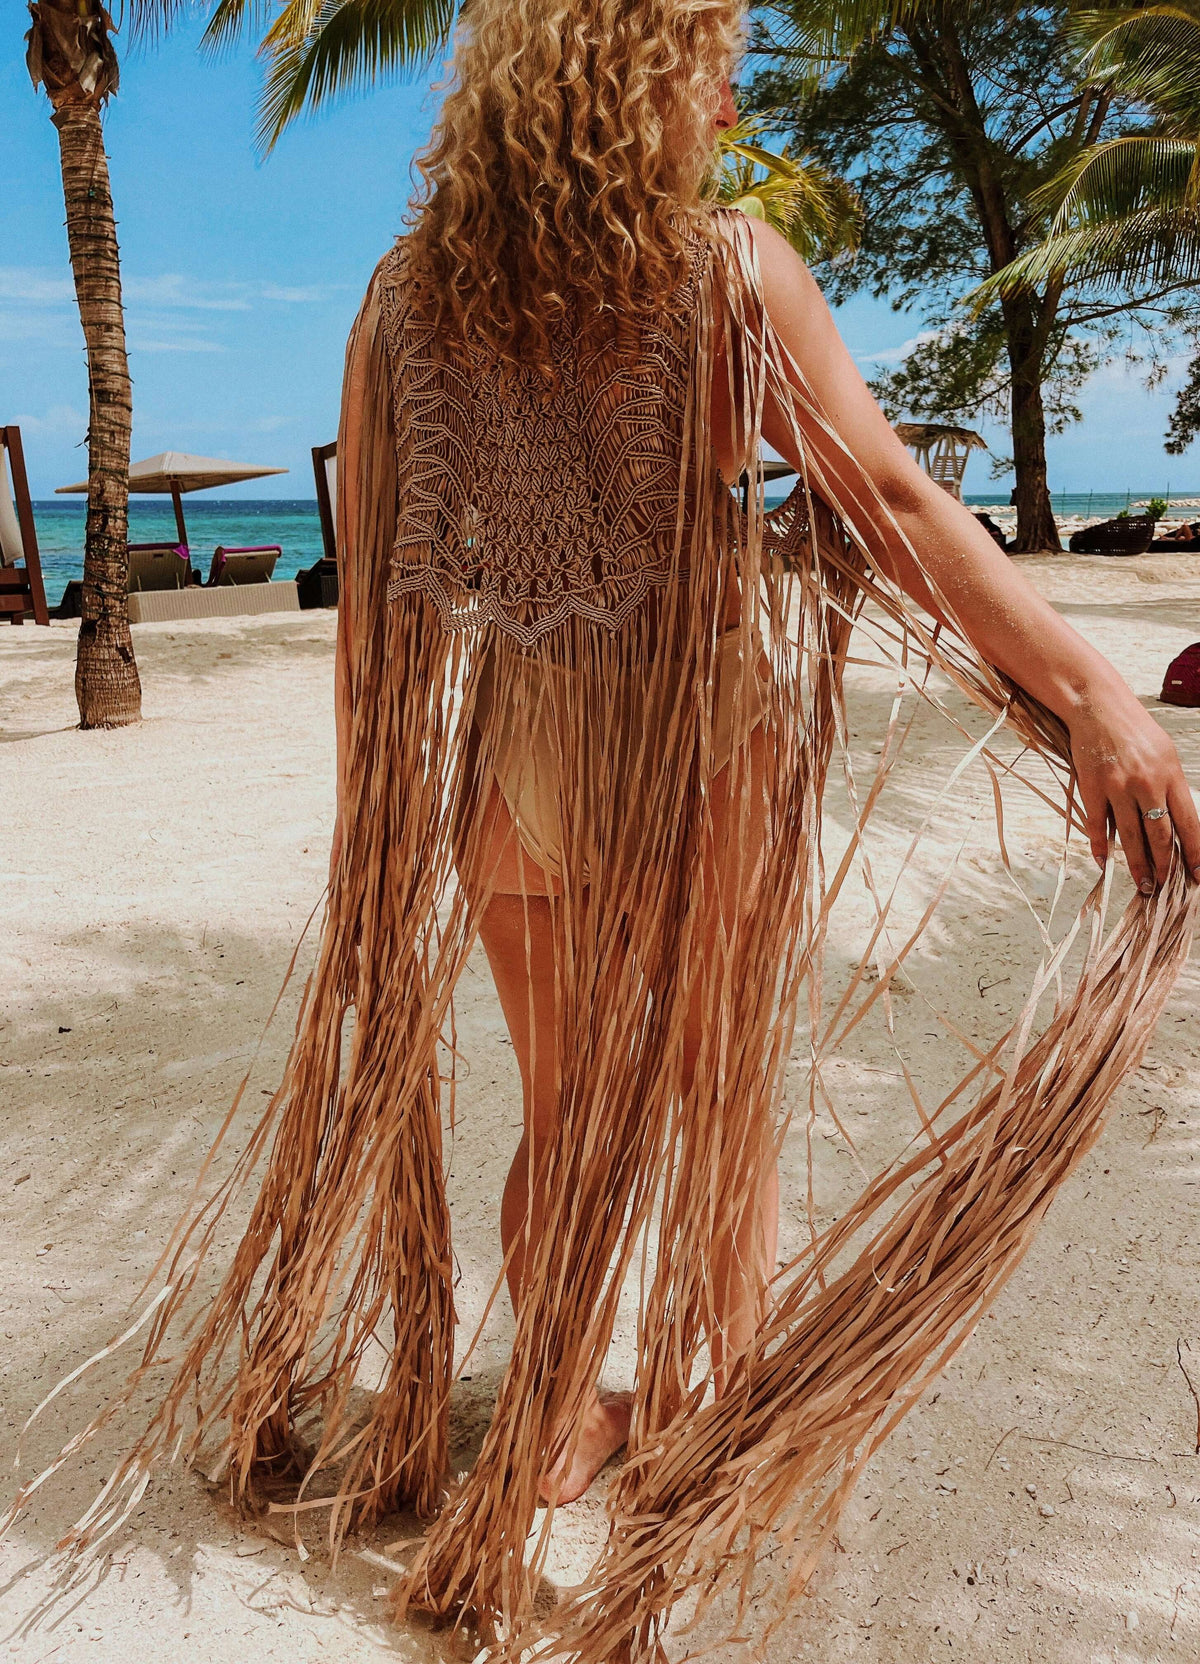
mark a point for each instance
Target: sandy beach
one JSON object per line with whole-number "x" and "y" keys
{"x": 1041, "y": 1503}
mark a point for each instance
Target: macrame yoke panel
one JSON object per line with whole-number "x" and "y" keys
{"x": 532, "y": 499}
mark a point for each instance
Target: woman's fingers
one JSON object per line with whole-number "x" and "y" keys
{"x": 1127, "y": 769}
{"x": 1160, "y": 836}
{"x": 1133, "y": 841}
{"x": 1186, "y": 822}
{"x": 1095, "y": 817}
{"x": 1149, "y": 843}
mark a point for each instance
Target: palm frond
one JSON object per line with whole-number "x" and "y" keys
{"x": 1149, "y": 249}
{"x": 150, "y": 20}
{"x": 1119, "y": 177}
{"x": 1126, "y": 213}
{"x": 1150, "y": 53}
{"x": 818, "y": 212}
{"x": 319, "y": 49}
{"x": 231, "y": 19}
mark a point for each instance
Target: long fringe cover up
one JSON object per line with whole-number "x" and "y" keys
{"x": 560, "y": 559}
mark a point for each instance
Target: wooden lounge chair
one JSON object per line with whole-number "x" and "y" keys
{"x": 253, "y": 564}
{"x": 317, "y": 584}
{"x": 22, "y": 593}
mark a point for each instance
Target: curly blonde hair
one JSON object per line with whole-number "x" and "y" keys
{"x": 565, "y": 170}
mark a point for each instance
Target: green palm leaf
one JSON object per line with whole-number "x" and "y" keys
{"x": 319, "y": 49}
{"x": 1155, "y": 248}
{"x": 816, "y": 211}
{"x": 1151, "y": 53}
{"x": 1122, "y": 176}
{"x": 1126, "y": 213}
{"x": 314, "y": 50}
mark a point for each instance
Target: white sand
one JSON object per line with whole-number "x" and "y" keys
{"x": 155, "y": 882}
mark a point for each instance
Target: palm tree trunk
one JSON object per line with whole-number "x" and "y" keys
{"x": 948, "y": 80}
{"x": 107, "y": 688}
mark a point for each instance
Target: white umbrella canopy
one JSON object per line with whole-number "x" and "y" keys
{"x": 174, "y": 472}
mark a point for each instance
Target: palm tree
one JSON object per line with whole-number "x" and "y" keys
{"x": 816, "y": 211}
{"x": 316, "y": 50}
{"x": 1126, "y": 212}
{"x": 69, "y": 53}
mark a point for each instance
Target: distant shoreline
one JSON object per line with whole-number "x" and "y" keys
{"x": 294, "y": 524}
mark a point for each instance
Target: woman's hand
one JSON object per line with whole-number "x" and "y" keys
{"x": 1126, "y": 766}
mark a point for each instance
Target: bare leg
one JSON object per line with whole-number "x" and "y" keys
{"x": 518, "y": 938}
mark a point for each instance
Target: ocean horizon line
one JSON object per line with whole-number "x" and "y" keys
{"x": 294, "y": 524}
{"x": 149, "y": 503}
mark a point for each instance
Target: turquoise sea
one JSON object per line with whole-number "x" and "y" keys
{"x": 1093, "y": 505}
{"x": 292, "y": 523}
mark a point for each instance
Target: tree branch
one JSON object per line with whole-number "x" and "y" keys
{"x": 1045, "y": 121}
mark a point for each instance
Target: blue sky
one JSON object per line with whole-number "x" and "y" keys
{"x": 242, "y": 278}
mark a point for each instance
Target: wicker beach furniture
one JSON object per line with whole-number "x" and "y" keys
{"x": 1184, "y": 539}
{"x": 159, "y": 566}
{"x": 251, "y": 564}
{"x": 1128, "y": 534}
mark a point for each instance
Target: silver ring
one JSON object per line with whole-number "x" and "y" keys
{"x": 1154, "y": 814}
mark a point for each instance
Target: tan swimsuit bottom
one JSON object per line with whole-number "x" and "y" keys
{"x": 526, "y": 761}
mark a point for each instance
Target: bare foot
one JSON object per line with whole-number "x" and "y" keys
{"x": 602, "y": 1430}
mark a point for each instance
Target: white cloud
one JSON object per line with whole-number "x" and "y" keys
{"x": 39, "y": 286}
{"x": 896, "y": 355}
{"x": 59, "y": 419}
{"x": 54, "y": 328}
{"x": 38, "y": 304}
{"x": 173, "y": 291}
{"x": 293, "y": 296}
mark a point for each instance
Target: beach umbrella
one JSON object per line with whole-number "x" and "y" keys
{"x": 171, "y": 473}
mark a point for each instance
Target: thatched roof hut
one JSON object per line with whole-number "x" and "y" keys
{"x": 942, "y": 449}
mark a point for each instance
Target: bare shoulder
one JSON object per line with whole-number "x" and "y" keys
{"x": 790, "y": 292}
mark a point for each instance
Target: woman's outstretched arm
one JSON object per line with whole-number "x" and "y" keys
{"x": 1125, "y": 763}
